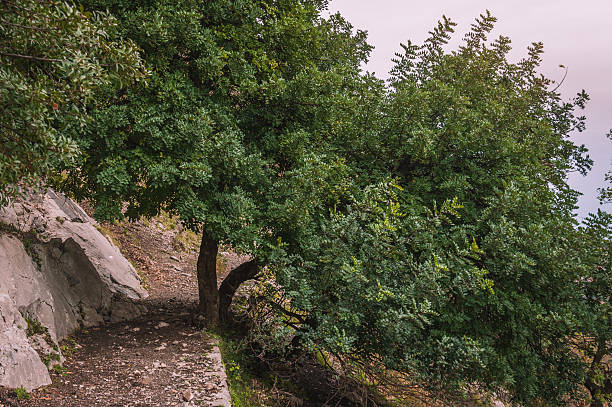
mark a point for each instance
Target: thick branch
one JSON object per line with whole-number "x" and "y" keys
{"x": 245, "y": 271}
{"x": 301, "y": 318}
{"x": 599, "y": 353}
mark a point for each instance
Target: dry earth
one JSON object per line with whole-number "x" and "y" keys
{"x": 160, "y": 359}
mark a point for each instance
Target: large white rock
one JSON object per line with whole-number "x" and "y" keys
{"x": 58, "y": 272}
{"x": 20, "y": 364}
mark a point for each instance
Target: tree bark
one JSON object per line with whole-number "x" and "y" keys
{"x": 207, "y": 280}
{"x": 599, "y": 390}
{"x": 593, "y": 389}
{"x": 245, "y": 271}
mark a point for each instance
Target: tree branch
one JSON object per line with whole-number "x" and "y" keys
{"x": 26, "y": 27}
{"x": 6, "y": 54}
{"x": 245, "y": 271}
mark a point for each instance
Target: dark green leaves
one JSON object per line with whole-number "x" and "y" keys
{"x": 53, "y": 58}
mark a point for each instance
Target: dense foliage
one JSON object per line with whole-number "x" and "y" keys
{"x": 53, "y": 57}
{"x": 424, "y": 226}
{"x": 594, "y": 339}
{"x": 471, "y": 270}
{"x": 237, "y": 96}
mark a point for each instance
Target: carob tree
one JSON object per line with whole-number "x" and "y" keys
{"x": 425, "y": 227}
{"x": 240, "y": 93}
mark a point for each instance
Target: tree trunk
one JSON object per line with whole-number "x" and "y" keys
{"x": 593, "y": 389}
{"x": 207, "y": 280}
{"x": 599, "y": 390}
{"x": 230, "y": 284}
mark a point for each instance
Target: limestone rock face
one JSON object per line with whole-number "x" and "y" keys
{"x": 57, "y": 273}
{"x": 20, "y": 365}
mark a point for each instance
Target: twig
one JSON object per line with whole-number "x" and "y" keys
{"x": 27, "y": 27}
{"x": 562, "y": 80}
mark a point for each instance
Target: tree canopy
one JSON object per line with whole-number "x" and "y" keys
{"x": 466, "y": 268}
{"x": 238, "y": 95}
{"x": 595, "y": 316}
{"x": 53, "y": 58}
{"x": 422, "y": 226}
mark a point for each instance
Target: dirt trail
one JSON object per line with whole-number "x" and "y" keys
{"x": 159, "y": 359}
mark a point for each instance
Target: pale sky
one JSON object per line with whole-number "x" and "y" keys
{"x": 577, "y": 34}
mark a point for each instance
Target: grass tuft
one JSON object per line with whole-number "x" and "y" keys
{"x": 22, "y": 394}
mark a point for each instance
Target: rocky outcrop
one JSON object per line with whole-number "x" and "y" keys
{"x": 57, "y": 273}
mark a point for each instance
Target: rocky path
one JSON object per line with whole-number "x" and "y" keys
{"x": 160, "y": 359}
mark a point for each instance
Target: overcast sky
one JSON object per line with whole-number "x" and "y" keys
{"x": 575, "y": 33}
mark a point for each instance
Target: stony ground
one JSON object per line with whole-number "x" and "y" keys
{"x": 159, "y": 359}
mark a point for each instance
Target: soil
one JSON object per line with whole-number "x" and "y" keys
{"x": 159, "y": 359}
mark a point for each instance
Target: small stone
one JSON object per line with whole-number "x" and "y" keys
{"x": 187, "y": 395}
{"x": 162, "y": 325}
{"x": 145, "y": 381}
{"x": 136, "y": 329}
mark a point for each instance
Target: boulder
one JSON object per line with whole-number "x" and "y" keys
{"x": 20, "y": 364}
{"x": 57, "y": 273}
